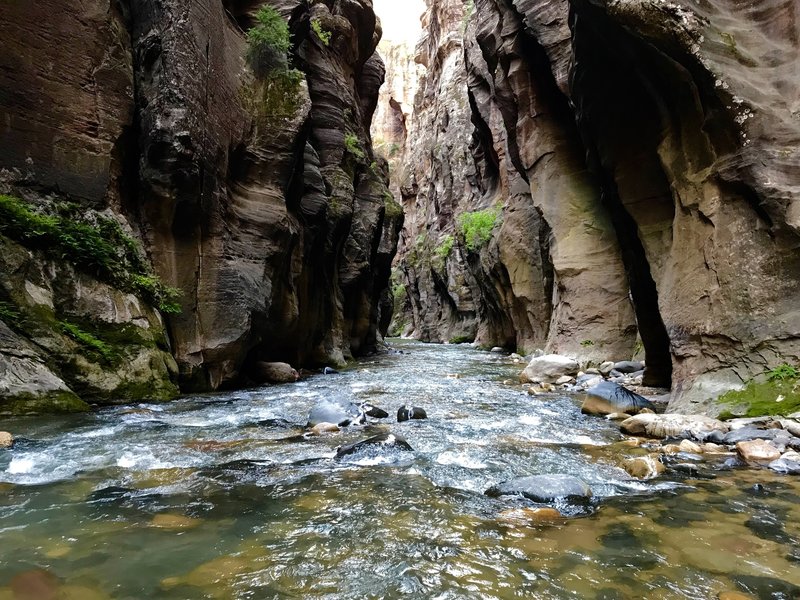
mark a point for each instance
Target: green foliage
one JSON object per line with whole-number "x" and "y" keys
{"x": 274, "y": 98}
{"x": 782, "y": 373}
{"x": 476, "y": 227}
{"x": 323, "y": 35}
{"x": 444, "y": 249}
{"x": 774, "y": 397}
{"x": 587, "y": 343}
{"x": 88, "y": 341}
{"x": 101, "y": 249}
{"x": 393, "y": 208}
{"x": 267, "y": 42}
{"x": 353, "y": 145}
{"x": 9, "y": 314}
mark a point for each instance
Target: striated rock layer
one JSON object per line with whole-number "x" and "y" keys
{"x": 269, "y": 215}
{"x": 645, "y": 156}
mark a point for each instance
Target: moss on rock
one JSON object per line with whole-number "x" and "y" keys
{"x": 53, "y": 402}
{"x": 776, "y": 397}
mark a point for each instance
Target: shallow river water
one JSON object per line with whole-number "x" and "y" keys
{"x": 200, "y": 498}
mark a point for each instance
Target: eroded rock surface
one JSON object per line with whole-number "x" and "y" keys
{"x": 272, "y": 217}
{"x": 643, "y": 159}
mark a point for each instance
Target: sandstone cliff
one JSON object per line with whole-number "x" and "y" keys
{"x": 645, "y": 156}
{"x": 268, "y": 213}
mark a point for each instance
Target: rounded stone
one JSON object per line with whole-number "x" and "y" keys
{"x": 543, "y": 488}
{"x": 6, "y": 439}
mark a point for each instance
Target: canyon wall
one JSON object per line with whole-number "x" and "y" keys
{"x": 262, "y": 203}
{"x": 644, "y": 157}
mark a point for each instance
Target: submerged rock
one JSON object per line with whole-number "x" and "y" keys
{"x": 405, "y": 413}
{"x": 607, "y": 397}
{"x": 661, "y": 426}
{"x": 543, "y": 488}
{"x": 530, "y": 516}
{"x": 549, "y": 368}
{"x": 321, "y": 428}
{"x": 383, "y": 440}
{"x": 337, "y": 413}
{"x": 275, "y": 372}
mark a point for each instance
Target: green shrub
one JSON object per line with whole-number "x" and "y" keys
{"x": 587, "y": 343}
{"x": 274, "y": 98}
{"x": 101, "y": 249}
{"x": 444, "y": 249}
{"x": 353, "y": 145}
{"x": 323, "y": 35}
{"x": 9, "y": 314}
{"x": 782, "y": 373}
{"x": 476, "y": 227}
{"x": 88, "y": 340}
{"x": 267, "y": 42}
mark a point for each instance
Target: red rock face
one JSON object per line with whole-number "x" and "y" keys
{"x": 272, "y": 226}
{"x": 648, "y": 152}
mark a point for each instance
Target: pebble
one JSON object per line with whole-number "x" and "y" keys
{"x": 564, "y": 379}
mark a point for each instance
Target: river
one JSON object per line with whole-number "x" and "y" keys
{"x": 204, "y": 498}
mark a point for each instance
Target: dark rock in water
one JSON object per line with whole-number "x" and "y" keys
{"x": 767, "y": 587}
{"x": 711, "y": 437}
{"x": 404, "y": 413}
{"x": 543, "y": 488}
{"x": 748, "y": 434}
{"x": 383, "y": 440}
{"x": 275, "y": 372}
{"x": 628, "y": 366}
{"x": 607, "y": 397}
{"x": 786, "y": 464}
{"x": 338, "y": 413}
{"x": 277, "y": 422}
{"x": 373, "y": 411}
{"x": 329, "y": 371}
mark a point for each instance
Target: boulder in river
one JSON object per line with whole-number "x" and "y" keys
{"x": 406, "y": 413}
{"x": 661, "y": 426}
{"x": 6, "y": 439}
{"x": 628, "y": 367}
{"x": 373, "y": 411}
{"x": 329, "y": 371}
{"x": 275, "y": 372}
{"x": 337, "y": 413}
{"x": 382, "y": 440}
{"x": 607, "y": 397}
{"x": 644, "y": 467}
{"x": 549, "y": 369}
{"x": 760, "y": 452}
{"x": 543, "y": 488}
{"x": 788, "y": 463}
{"x": 747, "y": 434}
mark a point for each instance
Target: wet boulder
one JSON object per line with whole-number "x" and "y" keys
{"x": 549, "y": 369}
{"x": 760, "y": 452}
{"x": 373, "y": 411}
{"x": 627, "y": 367}
{"x": 788, "y": 463}
{"x": 543, "y": 488}
{"x": 337, "y": 413}
{"x": 607, "y": 397}
{"x": 406, "y": 413}
{"x": 382, "y": 441}
{"x": 329, "y": 371}
{"x": 661, "y": 426}
{"x": 275, "y": 372}
{"x": 6, "y": 439}
{"x": 748, "y": 434}
{"x": 644, "y": 467}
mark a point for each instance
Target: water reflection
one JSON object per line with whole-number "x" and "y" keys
{"x": 203, "y": 498}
